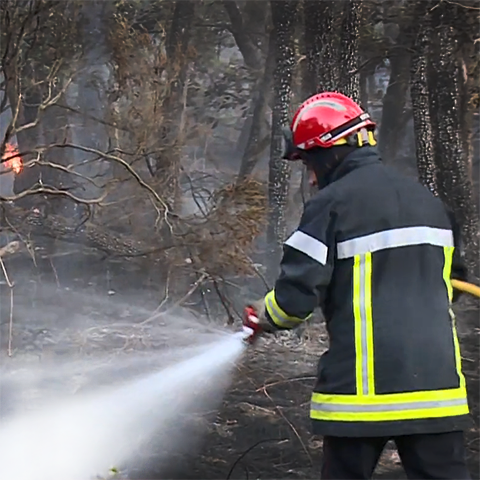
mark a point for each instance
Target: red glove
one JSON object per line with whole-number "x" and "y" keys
{"x": 251, "y": 325}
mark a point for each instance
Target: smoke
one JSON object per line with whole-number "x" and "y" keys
{"x": 79, "y": 414}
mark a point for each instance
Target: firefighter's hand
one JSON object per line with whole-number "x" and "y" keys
{"x": 259, "y": 307}
{"x": 255, "y": 322}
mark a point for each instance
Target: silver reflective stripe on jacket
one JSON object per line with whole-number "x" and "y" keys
{"x": 397, "y": 237}
{"x": 309, "y": 246}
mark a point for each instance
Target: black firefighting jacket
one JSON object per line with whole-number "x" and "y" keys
{"x": 375, "y": 250}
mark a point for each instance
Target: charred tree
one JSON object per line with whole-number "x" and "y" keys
{"x": 420, "y": 98}
{"x": 454, "y": 182}
{"x": 251, "y": 54}
{"x": 349, "y": 79}
{"x": 177, "y": 42}
{"x": 283, "y": 17}
{"x": 255, "y": 135}
{"x": 176, "y": 48}
{"x": 466, "y": 26}
{"x": 179, "y": 32}
{"x": 321, "y": 45}
{"x": 311, "y": 44}
{"x": 259, "y": 135}
{"x": 394, "y": 113}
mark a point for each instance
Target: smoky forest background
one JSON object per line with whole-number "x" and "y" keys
{"x": 140, "y": 147}
{"x": 144, "y": 136}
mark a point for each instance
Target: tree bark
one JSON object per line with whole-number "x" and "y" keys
{"x": 395, "y": 99}
{"x": 455, "y": 185}
{"x": 283, "y": 17}
{"x": 420, "y": 98}
{"x": 312, "y": 40}
{"x": 251, "y": 54}
{"x": 349, "y": 77}
{"x": 179, "y": 32}
{"x": 467, "y": 81}
{"x": 177, "y": 42}
{"x": 259, "y": 136}
{"x": 321, "y": 46}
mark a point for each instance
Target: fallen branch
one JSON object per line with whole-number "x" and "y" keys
{"x": 55, "y": 191}
{"x": 33, "y": 222}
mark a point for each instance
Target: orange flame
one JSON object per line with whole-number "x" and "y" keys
{"x": 14, "y": 161}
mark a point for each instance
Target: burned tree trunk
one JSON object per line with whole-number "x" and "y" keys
{"x": 176, "y": 47}
{"x": 248, "y": 27}
{"x": 468, "y": 73}
{"x": 251, "y": 54}
{"x": 283, "y": 16}
{"x": 394, "y": 115}
{"x": 259, "y": 136}
{"x": 311, "y": 43}
{"x": 349, "y": 80}
{"x": 179, "y": 33}
{"x": 321, "y": 46}
{"x": 420, "y": 103}
{"x": 454, "y": 182}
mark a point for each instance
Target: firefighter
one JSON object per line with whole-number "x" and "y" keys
{"x": 376, "y": 251}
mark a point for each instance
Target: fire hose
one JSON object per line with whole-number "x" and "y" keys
{"x": 252, "y": 329}
{"x": 466, "y": 287}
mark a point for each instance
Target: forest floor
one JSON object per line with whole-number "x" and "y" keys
{"x": 261, "y": 430}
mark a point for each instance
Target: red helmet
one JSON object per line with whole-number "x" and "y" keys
{"x": 325, "y": 120}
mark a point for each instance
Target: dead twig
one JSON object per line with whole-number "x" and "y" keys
{"x": 292, "y": 427}
{"x": 192, "y": 290}
{"x": 279, "y": 441}
{"x": 282, "y": 382}
{"x": 54, "y": 271}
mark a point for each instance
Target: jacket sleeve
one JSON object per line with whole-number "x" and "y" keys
{"x": 306, "y": 267}
{"x": 459, "y": 268}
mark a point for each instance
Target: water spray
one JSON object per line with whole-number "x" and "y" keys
{"x": 91, "y": 435}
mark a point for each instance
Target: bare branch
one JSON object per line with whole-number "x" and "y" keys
{"x": 124, "y": 164}
{"x": 54, "y": 191}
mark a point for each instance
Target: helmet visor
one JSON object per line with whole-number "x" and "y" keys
{"x": 290, "y": 151}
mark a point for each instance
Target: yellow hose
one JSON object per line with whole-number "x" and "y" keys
{"x": 466, "y": 287}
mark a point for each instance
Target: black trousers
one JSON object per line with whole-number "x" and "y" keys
{"x": 429, "y": 456}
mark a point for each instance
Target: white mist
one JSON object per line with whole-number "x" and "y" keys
{"x": 84, "y": 435}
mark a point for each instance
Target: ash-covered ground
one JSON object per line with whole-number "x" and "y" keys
{"x": 261, "y": 429}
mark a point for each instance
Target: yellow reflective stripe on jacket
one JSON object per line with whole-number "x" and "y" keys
{"x": 362, "y": 309}
{"x": 278, "y": 316}
{"x": 388, "y": 407}
{"x": 447, "y": 271}
{"x": 406, "y": 413}
{"x": 365, "y": 405}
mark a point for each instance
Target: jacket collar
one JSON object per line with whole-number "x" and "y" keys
{"x": 359, "y": 158}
